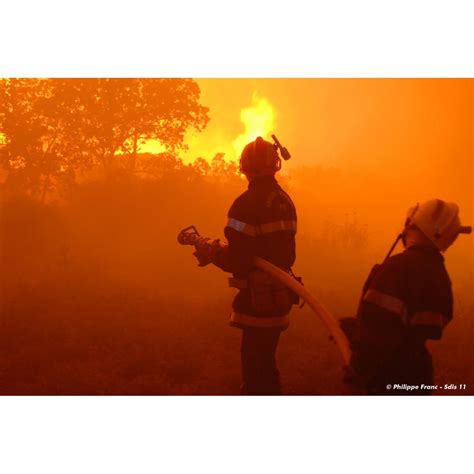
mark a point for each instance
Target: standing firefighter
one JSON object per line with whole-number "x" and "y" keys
{"x": 406, "y": 301}
{"x": 261, "y": 223}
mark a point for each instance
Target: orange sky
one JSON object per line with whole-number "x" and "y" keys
{"x": 327, "y": 121}
{"x": 359, "y": 125}
{"x": 398, "y": 140}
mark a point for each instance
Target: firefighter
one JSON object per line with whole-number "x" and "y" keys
{"x": 261, "y": 222}
{"x": 405, "y": 301}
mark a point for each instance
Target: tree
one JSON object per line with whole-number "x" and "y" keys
{"x": 54, "y": 127}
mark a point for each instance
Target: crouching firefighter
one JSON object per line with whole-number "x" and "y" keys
{"x": 261, "y": 222}
{"x": 405, "y": 301}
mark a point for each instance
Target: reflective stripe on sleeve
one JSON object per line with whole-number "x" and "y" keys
{"x": 276, "y": 226}
{"x": 387, "y": 302}
{"x": 262, "y": 229}
{"x": 429, "y": 318}
{"x": 242, "y": 227}
{"x": 253, "y": 321}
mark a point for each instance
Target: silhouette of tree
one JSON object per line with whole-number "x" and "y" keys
{"x": 33, "y": 151}
{"x": 223, "y": 169}
{"x": 53, "y": 127}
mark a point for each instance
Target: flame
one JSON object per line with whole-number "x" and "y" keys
{"x": 259, "y": 120}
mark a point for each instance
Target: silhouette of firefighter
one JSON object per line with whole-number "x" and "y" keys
{"x": 405, "y": 301}
{"x": 261, "y": 222}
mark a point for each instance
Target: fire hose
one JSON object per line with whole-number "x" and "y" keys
{"x": 313, "y": 302}
{"x": 190, "y": 236}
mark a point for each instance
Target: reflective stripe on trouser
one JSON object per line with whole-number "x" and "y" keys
{"x": 261, "y": 229}
{"x": 259, "y": 322}
{"x": 387, "y": 302}
{"x": 429, "y": 318}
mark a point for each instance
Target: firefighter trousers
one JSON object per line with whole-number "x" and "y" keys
{"x": 259, "y": 370}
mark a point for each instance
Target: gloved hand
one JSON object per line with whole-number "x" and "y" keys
{"x": 209, "y": 251}
{"x": 203, "y": 252}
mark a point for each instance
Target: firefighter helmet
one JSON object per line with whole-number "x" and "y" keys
{"x": 260, "y": 158}
{"x": 438, "y": 221}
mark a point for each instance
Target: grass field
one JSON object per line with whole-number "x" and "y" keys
{"x": 98, "y": 298}
{"x": 125, "y": 344}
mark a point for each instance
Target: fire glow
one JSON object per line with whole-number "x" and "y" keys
{"x": 258, "y": 119}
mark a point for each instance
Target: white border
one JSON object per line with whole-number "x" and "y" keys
{"x": 404, "y": 38}
{"x": 235, "y": 434}
{"x": 207, "y": 38}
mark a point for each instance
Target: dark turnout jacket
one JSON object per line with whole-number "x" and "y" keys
{"x": 405, "y": 301}
{"x": 261, "y": 222}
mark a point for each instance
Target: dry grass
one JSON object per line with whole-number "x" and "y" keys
{"x": 98, "y": 298}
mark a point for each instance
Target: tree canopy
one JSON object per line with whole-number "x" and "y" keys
{"x": 52, "y": 128}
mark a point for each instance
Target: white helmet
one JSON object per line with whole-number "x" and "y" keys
{"x": 438, "y": 220}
